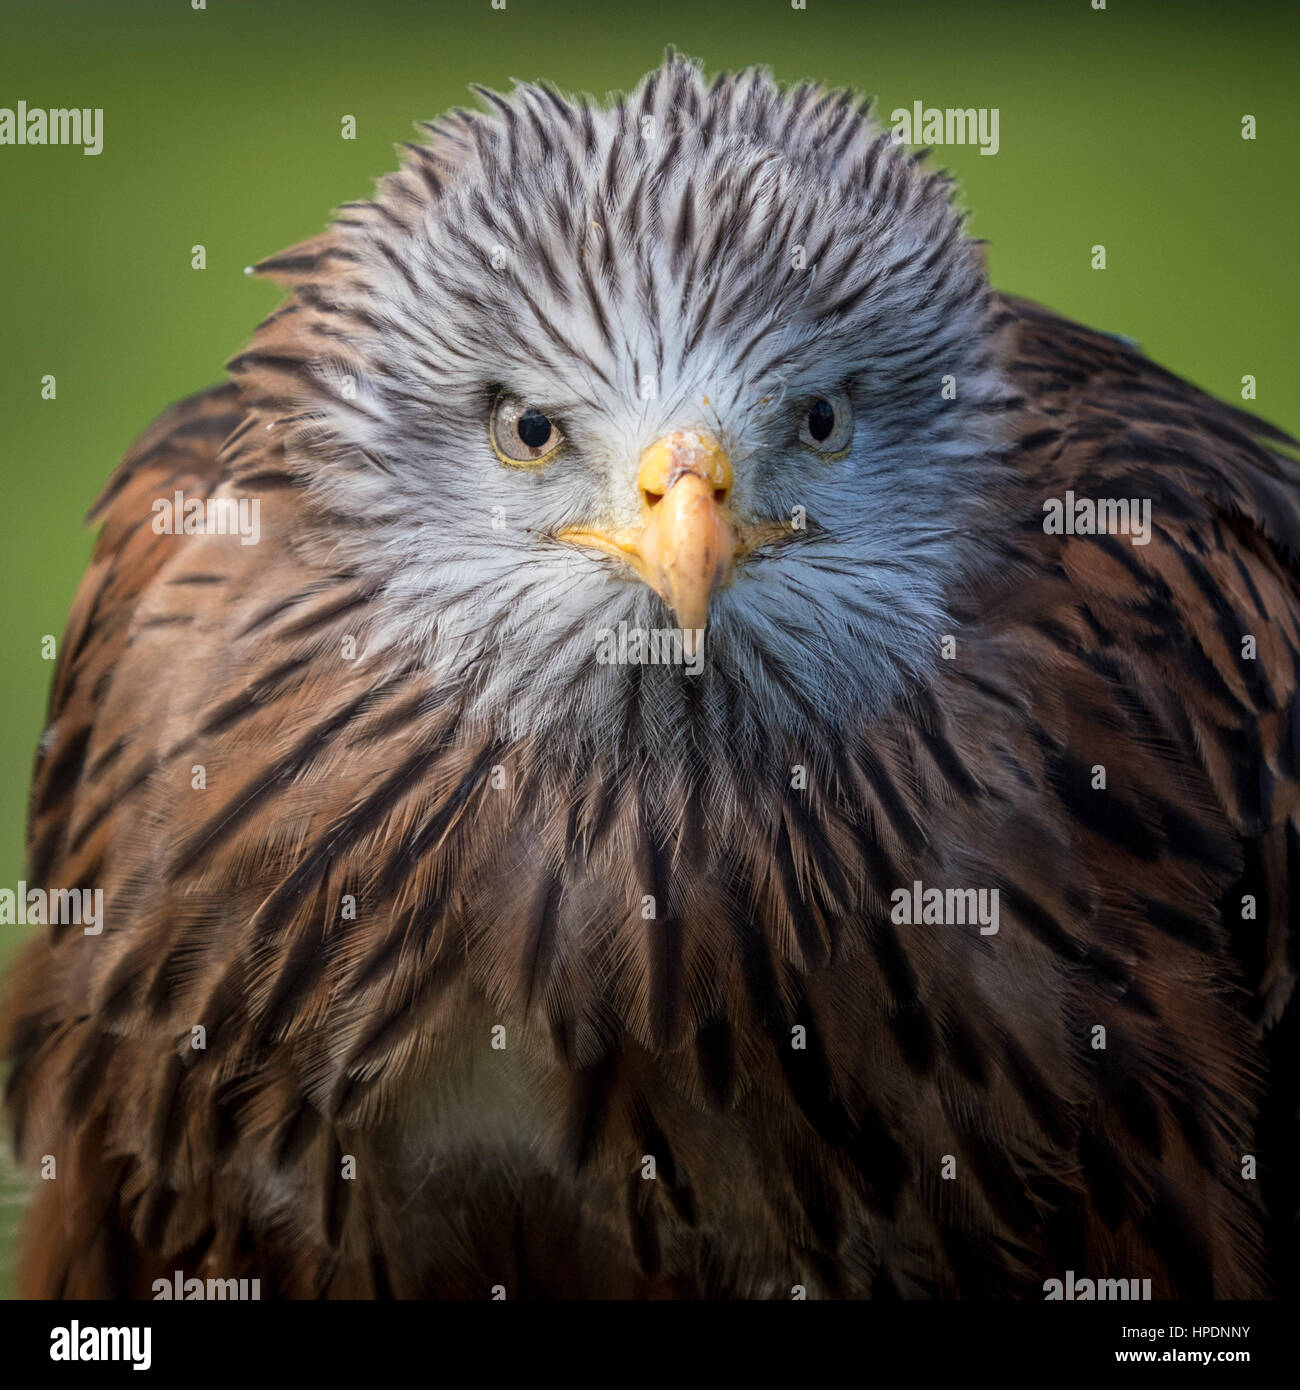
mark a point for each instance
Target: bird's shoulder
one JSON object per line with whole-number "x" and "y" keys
{"x": 1159, "y": 529}
{"x": 1097, "y": 412}
{"x": 179, "y": 453}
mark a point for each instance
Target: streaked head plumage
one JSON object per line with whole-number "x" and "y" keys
{"x": 722, "y": 258}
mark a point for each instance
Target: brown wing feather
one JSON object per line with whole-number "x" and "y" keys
{"x": 1197, "y": 635}
{"x": 1221, "y": 568}
{"x": 73, "y": 1231}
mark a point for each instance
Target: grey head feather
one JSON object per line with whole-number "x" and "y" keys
{"x": 692, "y": 255}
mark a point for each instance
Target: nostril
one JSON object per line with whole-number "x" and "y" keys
{"x": 651, "y": 499}
{"x": 720, "y": 495}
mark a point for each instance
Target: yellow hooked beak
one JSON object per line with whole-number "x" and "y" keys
{"x": 686, "y": 541}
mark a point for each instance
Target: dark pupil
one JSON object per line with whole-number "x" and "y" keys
{"x": 534, "y": 428}
{"x": 821, "y": 420}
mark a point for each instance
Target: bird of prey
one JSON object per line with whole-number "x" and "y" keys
{"x": 473, "y": 927}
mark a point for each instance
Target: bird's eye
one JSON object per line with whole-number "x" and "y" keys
{"x": 520, "y": 433}
{"x": 826, "y": 423}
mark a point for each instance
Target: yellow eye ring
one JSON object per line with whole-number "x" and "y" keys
{"x": 521, "y": 435}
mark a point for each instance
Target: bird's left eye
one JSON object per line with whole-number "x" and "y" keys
{"x": 826, "y": 422}
{"x": 520, "y": 433}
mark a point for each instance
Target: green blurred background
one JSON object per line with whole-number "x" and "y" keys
{"x": 222, "y": 128}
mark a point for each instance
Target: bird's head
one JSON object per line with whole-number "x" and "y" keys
{"x": 712, "y": 357}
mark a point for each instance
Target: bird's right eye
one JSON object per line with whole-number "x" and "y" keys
{"x": 521, "y": 433}
{"x": 826, "y": 423}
